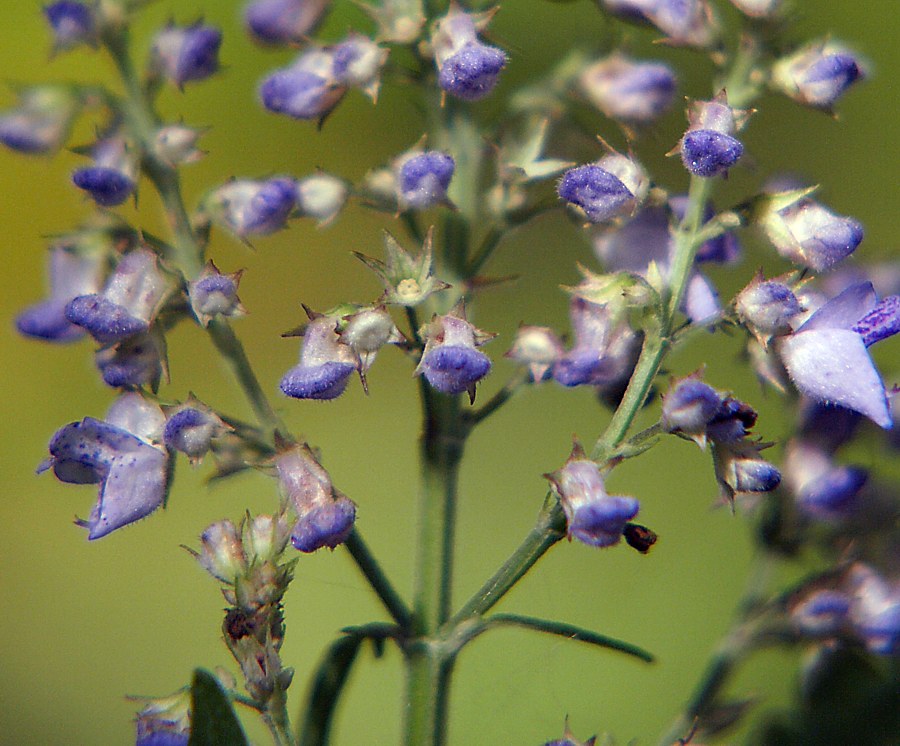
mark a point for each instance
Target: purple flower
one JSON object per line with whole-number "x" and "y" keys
{"x": 603, "y": 350}
{"x": 818, "y": 74}
{"x": 121, "y": 455}
{"x": 472, "y": 72}
{"x": 827, "y": 356}
{"x": 806, "y": 232}
{"x": 72, "y": 23}
{"x": 41, "y": 121}
{"x": 214, "y": 294}
{"x": 450, "y": 361}
{"x": 112, "y": 178}
{"x": 709, "y": 147}
{"x": 685, "y": 22}
{"x": 135, "y": 361}
{"x": 592, "y": 516}
{"x": 467, "y": 68}
{"x": 71, "y": 274}
{"x": 165, "y": 721}
{"x": 325, "y": 516}
{"x": 629, "y": 91}
{"x": 766, "y": 308}
{"x": 325, "y": 366}
{"x": 689, "y": 406}
{"x": 187, "y": 53}
{"x": 821, "y": 489}
{"x": 875, "y": 609}
{"x": 250, "y": 207}
{"x": 307, "y": 89}
{"x": 284, "y": 21}
{"x": 610, "y": 188}
{"x": 133, "y": 295}
{"x": 423, "y": 178}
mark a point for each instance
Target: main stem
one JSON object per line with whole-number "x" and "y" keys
{"x": 429, "y": 665}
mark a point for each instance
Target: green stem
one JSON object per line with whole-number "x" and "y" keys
{"x": 373, "y": 573}
{"x": 549, "y": 529}
{"x": 429, "y": 669}
{"x": 276, "y": 718}
{"x": 441, "y": 451}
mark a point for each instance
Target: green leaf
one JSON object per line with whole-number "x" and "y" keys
{"x": 213, "y": 721}
{"x": 569, "y": 631}
{"x": 326, "y": 690}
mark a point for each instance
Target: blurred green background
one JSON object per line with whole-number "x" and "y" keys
{"x": 87, "y": 624}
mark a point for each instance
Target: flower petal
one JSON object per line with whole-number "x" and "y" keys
{"x": 833, "y": 366}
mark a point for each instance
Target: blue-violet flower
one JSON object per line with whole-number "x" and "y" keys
{"x": 423, "y": 178}
{"x": 73, "y": 23}
{"x": 284, "y": 21}
{"x": 41, "y": 121}
{"x": 253, "y": 208}
{"x": 709, "y": 147}
{"x": 612, "y": 187}
{"x": 187, "y": 53}
{"x": 215, "y": 294}
{"x": 325, "y": 516}
{"x": 817, "y": 75}
{"x": 122, "y": 455}
{"x": 467, "y": 68}
{"x": 326, "y": 363}
{"x": 629, "y": 91}
{"x": 113, "y": 177}
{"x": 133, "y": 295}
{"x": 827, "y": 357}
{"x": 72, "y": 274}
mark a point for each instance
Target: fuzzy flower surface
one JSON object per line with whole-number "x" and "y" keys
{"x": 253, "y": 208}
{"x": 613, "y": 186}
{"x": 122, "y": 454}
{"x": 184, "y": 54}
{"x": 592, "y": 516}
{"x": 827, "y": 357}
{"x": 467, "y": 68}
{"x": 325, "y": 366}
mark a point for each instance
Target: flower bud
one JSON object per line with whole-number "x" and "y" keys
{"x": 628, "y": 91}
{"x": 709, "y": 147}
{"x": 191, "y": 429}
{"x": 72, "y": 273}
{"x": 214, "y": 294}
{"x": 321, "y": 196}
{"x": 689, "y": 406}
{"x": 766, "y": 307}
{"x": 307, "y": 89}
{"x": 221, "y": 553}
{"x": 175, "y": 144}
{"x": 739, "y": 468}
{"x": 423, "y": 179}
{"x": 613, "y": 186}
{"x": 325, "y": 516}
{"x": 366, "y": 331}
{"x": 818, "y": 74}
{"x": 249, "y": 207}
{"x": 73, "y": 23}
{"x": 805, "y": 232}
{"x": 592, "y": 516}
{"x": 185, "y": 54}
{"x": 538, "y": 348}
{"x": 265, "y": 538}
{"x": 284, "y": 21}
{"x": 113, "y": 177}
{"x": 41, "y": 121}
{"x": 133, "y": 295}
{"x": 467, "y": 68}
{"x": 450, "y": 362}
{"x": 325, "y": 366}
